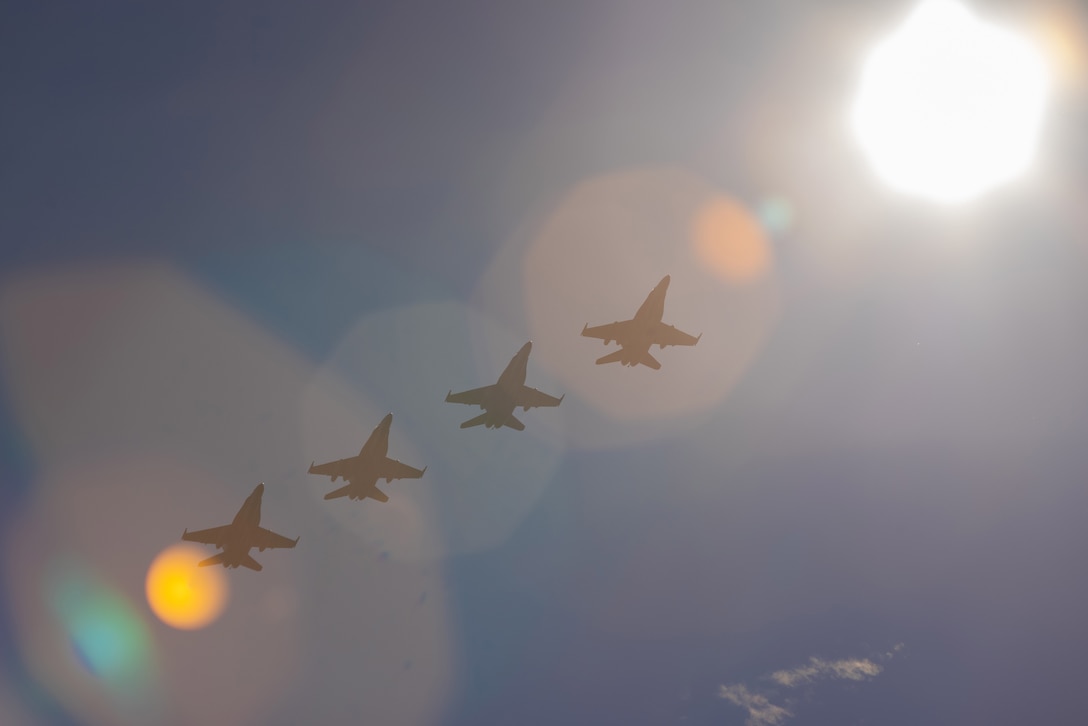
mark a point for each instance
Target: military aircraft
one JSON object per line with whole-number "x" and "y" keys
{"x": 362, "y": 472}
{"x": 240, "y": 536}
{"x": 499, "y": 400}
{"x": 635, "y": 336}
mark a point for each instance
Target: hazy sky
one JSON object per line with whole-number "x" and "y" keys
{"x": 235, "y": 235}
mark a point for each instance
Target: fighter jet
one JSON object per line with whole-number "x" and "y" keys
{"x": 635, "y": 336}
{"x": 362, "y": 472}
{"x": 240, "y": 536}
{"x": 499, "y": 400}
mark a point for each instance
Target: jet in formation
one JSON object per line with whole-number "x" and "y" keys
{"x": 362, "y": 472}
{"x": 240, "y": 536}
{"x": 635, "y": 336}
{"x": 499, "y": 400}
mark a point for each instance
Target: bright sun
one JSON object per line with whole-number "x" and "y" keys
{"x": 949, "y": 106}
{"x": 180, "y": 593}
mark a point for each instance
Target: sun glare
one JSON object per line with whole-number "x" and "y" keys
{"x": 181, "y": 594}
{"x": 949, "y": 106}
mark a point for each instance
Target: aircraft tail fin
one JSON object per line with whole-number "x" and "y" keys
{"x": 213, "y": 560}
{"x": 251, "y": 563}
{"x": 478, "y": 421}
{"x": 376, "y": 493}
{"x": 513, "y": 423}
{"x": 613, "y": 357}
{"x": 649, "y": 360}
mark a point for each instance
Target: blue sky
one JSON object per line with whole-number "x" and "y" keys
{"x": 235, "y": 236}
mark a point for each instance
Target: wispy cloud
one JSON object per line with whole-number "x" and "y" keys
{"x": 854, "y": 669}
{"x": 761, "y": 712}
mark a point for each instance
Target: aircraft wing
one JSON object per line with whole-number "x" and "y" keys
{"x": 474, "y": 397}
{"x": 338, "y": 468}
{"x": 213, "y": 536}
{"x": 668, "y": 335}
{"x": 393, "y": 469}
{"x": 532, "y": 398}
{"x": 267, "y": 539}
{"x": 607, "y": 332}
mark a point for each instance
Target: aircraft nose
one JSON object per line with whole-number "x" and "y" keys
{"x": 526, "y": 348}
{"x": 259, "y": 489}
{"x": 665, "y": 281}
{"x": 388, "y": 419}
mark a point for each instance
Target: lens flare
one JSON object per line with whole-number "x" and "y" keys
{"x": 777, "y": 215}
{"x": 183, "y": 595}
{"x": 730, "y": 241}
{"x": 609, "y": 240}
{"x": 108, "y": 638}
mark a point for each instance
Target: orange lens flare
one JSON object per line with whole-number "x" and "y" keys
{"x": 181, "y": 594}
{"x": 1062, "y": 32}
{"x": 730, "y": 242}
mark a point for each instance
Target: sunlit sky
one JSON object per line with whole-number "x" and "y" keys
{"x": 235, "y": 236}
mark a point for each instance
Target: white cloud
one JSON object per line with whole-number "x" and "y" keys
{"x": 853, "y": 669}
{"x": 761, "y": 712}
{"x": 895, "y": 649}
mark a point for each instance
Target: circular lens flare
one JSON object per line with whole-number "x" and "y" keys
{"x": 730, "y": 241}
{"x": 180, "y": 593}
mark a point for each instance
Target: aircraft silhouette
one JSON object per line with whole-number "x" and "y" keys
{"x": 635, "y": 336}
{"x": 362, "y": 472}
{"x": 240, "y": 536}
{"x": 500, "y": 399}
